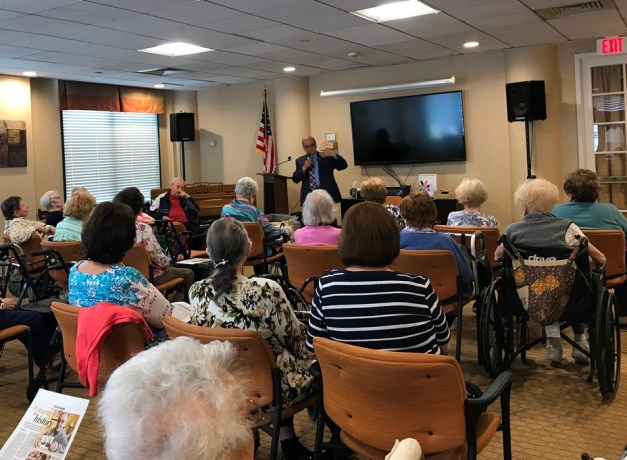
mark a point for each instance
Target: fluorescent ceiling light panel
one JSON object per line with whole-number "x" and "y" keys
{"x": 472, "y": 44}
{"x": 176, "y": 49}
{"x": 386, "y": 88}
{"x": 396, "y": 10}
{"x": 29, "y": 73}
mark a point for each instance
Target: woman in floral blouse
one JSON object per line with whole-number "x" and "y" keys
{"x": 228, "y": 299}
{"x": 107, "y": 235}
{"x": 17, "y": 226}
{"x": 162, "y": 270}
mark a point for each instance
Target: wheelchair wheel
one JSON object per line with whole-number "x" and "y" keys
{"x": 522, "y": 337}
{"x": 607, "y": 348}
{"x": 495, "y": 339}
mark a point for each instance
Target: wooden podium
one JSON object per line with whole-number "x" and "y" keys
{"x": 275, "y": 193}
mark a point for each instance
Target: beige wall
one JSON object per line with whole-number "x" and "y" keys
{"x": 228, "y": 117}
{"x": 15, "y": 104}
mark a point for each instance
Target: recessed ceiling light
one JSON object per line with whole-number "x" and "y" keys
{"x": 29, "y": 73}
{"x": 396, "y": 10}
{"x": 289, "y": 69}
{"x": 159, "y": 85}
{"x": 471, "y": 44}
{"x": 176, "y": 49}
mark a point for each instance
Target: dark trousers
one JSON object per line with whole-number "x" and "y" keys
{"x": 41, "y": 330}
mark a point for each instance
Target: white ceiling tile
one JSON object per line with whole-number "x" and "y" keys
{"x": 4, "y": 15}
{"x": 382, "y": 58}
{"x": 231, "y": 80}
{"x": 455, "y": 27}
{"x": 298, "y": 13}
{"x": 8, "y": 51}
{"x": 143, "y": 6}
{"x": 253, "y": 6}
{"x": 486, "y": 11}
{"x": 84, "y": 12}
{"x": 353, "y": 5}
{"x": 239, "y": 24}
{"x": 52, "y": 44}
{"x": 256, "y": 48}
{"x": 33, "y": 6}
{"x": 371, "y": 35}
{"x": 11, "y": 37}
{"x": 450, "y": 5}
{"x": 41, "y": 25}
{"x": 140, "y": 24}
{"x": 195, "y": 13}
{"x": 247, "y": 73}
{"x": 416, "y": 48}
{"x": 338, "y": 21}
{"x": 526, "y": 17}
{"x": 273, "y": 34}
{"x": 526, "y": 34}
{"x": 456, "y": 42}
{"x": 225, "y": 58}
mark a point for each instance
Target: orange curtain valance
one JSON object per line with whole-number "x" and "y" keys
{"x": 110, "y": 98}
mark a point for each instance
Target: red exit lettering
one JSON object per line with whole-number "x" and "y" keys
{"x": 612, "y": 45}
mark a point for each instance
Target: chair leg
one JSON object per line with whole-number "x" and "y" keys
{"x": 505, "y": 423}
{"x": 61, "y": 377}
{"x": 458, "y": 345}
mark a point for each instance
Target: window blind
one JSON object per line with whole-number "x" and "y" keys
{"x": 109, "y": 151}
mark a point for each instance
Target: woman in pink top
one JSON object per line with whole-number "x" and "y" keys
{"x": 319, "y": 211}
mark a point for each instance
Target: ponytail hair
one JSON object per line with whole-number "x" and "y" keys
{"x": 227, "y": 242}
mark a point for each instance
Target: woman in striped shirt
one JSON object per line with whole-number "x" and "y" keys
{"x": 368, "y": 304}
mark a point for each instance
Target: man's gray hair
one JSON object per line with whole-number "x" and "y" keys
{"x": 46, "y": 199}
{"x": 319, "y": 208}
{"x": 246, "y": 187}
{"x": 177, "y": 178}
{"x": 178, "y": 400}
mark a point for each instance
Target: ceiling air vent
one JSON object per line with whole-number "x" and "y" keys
{"x": 577, "y": 8}
{"x": 162, "y": 71}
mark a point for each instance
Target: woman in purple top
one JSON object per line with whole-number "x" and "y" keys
{"x": 319, "y": 212}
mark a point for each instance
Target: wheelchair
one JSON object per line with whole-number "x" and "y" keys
{"x": 503, "y": 322}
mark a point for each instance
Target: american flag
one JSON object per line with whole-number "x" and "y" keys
{"x": 265, "y": 143}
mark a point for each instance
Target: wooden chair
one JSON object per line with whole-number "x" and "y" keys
{"x": 259, "y": 248}
{"x": 264, "y": 381}
{"x": 124, "y": 341}
{"x": 305, "y": 264}
{"x": 393, "y": 199}
{"x": 440, "y": 267}
{"x": 139, "y": 258}
{"x": 612, "y": 244}
{"x": 490, "y": 237}
{"x": 15, "y": 332}
{"x": 376, "y": 397}
{"x": 60, "y": 258}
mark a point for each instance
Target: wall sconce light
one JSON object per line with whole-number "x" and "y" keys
{"x": 386, "y": 88}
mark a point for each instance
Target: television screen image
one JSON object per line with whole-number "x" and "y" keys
{"x": 414, "y": 129}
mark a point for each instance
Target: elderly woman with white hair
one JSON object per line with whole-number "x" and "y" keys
{"x": 319, "y": 212}
{"x": 200, "y": 411}
{"x": 243, "y": 209}
{"x": 471, "y": 194}
{"x": 52, "y": 203}
{"x": 540, "y": 229}
{"x": 230, "y": 300}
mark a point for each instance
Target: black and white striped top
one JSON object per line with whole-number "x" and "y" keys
{"x": 380, "y": 310}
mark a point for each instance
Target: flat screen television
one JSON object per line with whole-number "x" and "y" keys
{"x": 427, "y": 128}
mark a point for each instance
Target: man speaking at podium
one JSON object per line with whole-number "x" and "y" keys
{"x": 315, "y": 170}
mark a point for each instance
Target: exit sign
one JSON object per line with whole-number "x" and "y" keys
{"x": 611, "y": 45}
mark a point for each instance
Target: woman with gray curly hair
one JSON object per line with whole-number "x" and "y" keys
{"x": 319, "y": 212}
{"x": 243, "y": 209}
{"x": 228, "y": 299}
{"x": 540, "y": 229}
{"x": 471, "y": 194}
{"x": 200, "y": 411}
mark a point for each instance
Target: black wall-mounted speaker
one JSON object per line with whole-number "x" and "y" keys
{"x": 182, "y": 127}
{"x": 525, "y": 101}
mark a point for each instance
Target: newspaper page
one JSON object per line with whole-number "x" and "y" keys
{"x": 47, "y": 429}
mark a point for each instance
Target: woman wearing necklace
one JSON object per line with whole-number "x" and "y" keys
{"x": 420, "y": 213}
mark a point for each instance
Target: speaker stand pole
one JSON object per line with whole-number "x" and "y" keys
{"x": 527, "y": 126}
{"x": 183, "y": 160}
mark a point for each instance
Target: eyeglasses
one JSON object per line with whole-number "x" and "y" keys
{"x": 308, "y": 146}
